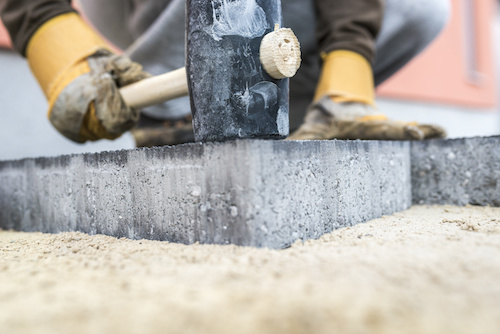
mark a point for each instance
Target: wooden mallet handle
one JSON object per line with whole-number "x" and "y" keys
{"x": 156, "y": 90}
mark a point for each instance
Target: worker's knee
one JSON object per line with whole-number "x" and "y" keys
{"x": 423, "y": 20}
{"x": 299, "y": 16}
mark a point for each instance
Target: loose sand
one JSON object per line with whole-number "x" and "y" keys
{"x": 426, "y": 270}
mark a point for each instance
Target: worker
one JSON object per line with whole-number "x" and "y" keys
{"x": 80, "y": 74}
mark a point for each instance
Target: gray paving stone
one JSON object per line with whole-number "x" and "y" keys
{"x": 456, "y": 171}
{"x": 250, "y": 193}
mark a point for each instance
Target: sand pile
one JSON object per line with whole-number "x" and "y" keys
{"x": 426, "y": 270}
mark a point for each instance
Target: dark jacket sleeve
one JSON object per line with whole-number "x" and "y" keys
{"x": 349, "y": 25}
{"x": 22, "y": 18}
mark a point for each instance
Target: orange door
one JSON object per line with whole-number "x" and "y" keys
{"x": 459, "y": 67}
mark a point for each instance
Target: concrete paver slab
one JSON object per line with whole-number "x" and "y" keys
{"x": 251, "y": 193}
{"x": 456, "y": 171}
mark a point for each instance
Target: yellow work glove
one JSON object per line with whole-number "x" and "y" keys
{"x": 80, "y": 78}
{"x": 327, "y": 119}
{"x": 344, "y": 106}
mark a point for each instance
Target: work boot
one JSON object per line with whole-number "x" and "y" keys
{"x": 151, "y": 132}
{"x": 327, "y": 119}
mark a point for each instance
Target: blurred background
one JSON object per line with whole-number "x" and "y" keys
{"x": 453, "y": 83}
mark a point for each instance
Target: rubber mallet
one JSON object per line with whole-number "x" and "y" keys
{"x": 238, "y": 65}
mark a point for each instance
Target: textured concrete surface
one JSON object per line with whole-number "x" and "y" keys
{"x": 254, "y": 193}
{"x": 458, "y": 171}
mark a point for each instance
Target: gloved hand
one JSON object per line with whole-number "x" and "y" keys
{"x": 80, "y": 78}
{"x": 344, "y": 106}
{"x": 327, "y": 119}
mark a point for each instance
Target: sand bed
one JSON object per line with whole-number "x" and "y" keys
{"x": 426, "y": 270}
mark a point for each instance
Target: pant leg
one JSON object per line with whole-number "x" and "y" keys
{"x": 299, "y": 15}
{"x": 409, "y": 26}
{"x": 161, "y": 49}
{"x": 122, "y": 21}
{"x": 111, "y": 19}
{"x": 145, "y": 13}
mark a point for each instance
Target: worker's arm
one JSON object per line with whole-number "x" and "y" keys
{"x": 75, "y": 68}
{"x": 349, "y": 25}
{"x": 344, "y": 105}
{"x": 23, "y": 17}
{"x": 346, "y": 33}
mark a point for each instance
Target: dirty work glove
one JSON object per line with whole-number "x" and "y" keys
{"x": 327, "y": 119}
{"x": 344, "y": 106}
{"x": 80, "y": 78}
